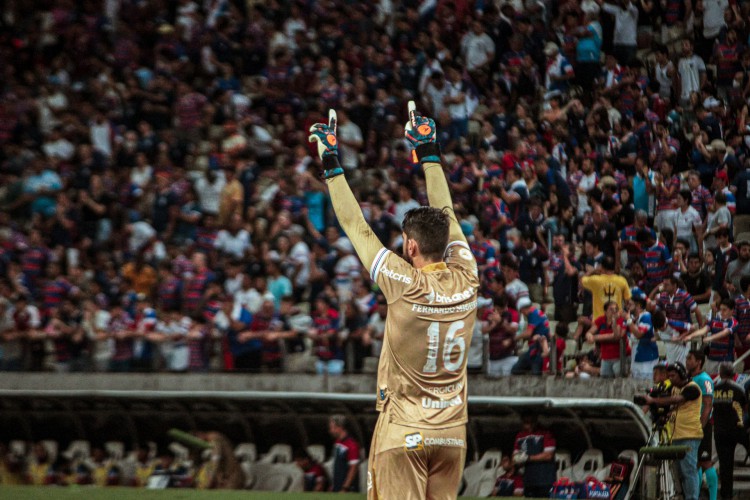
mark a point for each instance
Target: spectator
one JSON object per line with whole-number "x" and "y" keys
{"x": 667, "y": 332}
{"x": 498, "y": 324}
{"x": 724, "y": 253}
{"x": 696, "y": 279}
{"x": 719, "y": 217}
{"x": 640, "y": 326}
{"x": 729, "y": 403}
{"x": 687, "y": 428}
{"x": 608, "y": 332}
{"x": 655, "y": 258}
{"x": 532, "y": 260}
{"x": 738, "y": 268}
{"x": 687, "y": 222}
{"x": 537, "y": 333}
{"x": 345, "y": 457}
{"x": 534, "y": 447}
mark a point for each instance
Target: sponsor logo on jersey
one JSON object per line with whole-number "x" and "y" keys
{"x": 444, "y": 442}
{"x": 456, "y": 297}
{"x": 390, "y": 273}
{"x": 439, "y": 404}
{"x": 465, "y": 254}
{"x": 414, "y": 441}
{"x": 445, "y": 389}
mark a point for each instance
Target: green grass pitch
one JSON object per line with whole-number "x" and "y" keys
{"x": 93, "y": 493}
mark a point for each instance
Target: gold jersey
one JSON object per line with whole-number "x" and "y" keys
{"x": 431, "y": 316}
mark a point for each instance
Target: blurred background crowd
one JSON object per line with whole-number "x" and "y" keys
{"x": 161, "y": 208}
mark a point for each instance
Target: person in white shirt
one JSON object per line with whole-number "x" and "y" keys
{"x": 664, "y": 72}
{"x": 692, "y": 70}
{"x": 404, "y": 204}
{"x": 625, "y": 38}
{"x": 350, "y": 140}
{"x": 435, "y": 92}
{"x": 477, "y": 47}
{"x": 713, "y": 22}
{"x": 208, "y": 189}
{"x": 58, "y": 146}
{"x": 235, "y": 240}
{"x": 687, "y": 222}
{"x": 586, "y": 184}
{"x": 299, "y": 254}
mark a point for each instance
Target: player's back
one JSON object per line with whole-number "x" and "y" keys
{"x": 431, "y": 316}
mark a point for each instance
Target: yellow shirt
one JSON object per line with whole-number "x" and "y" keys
{"x": 687, "y": 422}
{"x": 605, "y": 288}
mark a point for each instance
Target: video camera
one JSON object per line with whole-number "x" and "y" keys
{"x": 659, "y": 413}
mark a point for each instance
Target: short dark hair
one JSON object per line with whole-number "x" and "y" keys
{"x": 694, "y": 255}
{"x": 644, "y": 235}
{"x": 743, "y": 243}
{"x": 699, "y": 355}
{"x": 686, "y": 195}
{"x": 722, "y": 232}
{"x": 429, "y": 227}
{"x": 744, "y": 283}
{"x": 728, "y": 303}
{"x": 608, "y": 263}
{"x": 659, "y": 319}
{"x": 726, "y": 369}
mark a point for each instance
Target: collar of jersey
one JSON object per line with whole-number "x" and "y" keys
{"x": 434, "y": 267}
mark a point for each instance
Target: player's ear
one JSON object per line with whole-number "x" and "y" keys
{"x": 412, "y": 249}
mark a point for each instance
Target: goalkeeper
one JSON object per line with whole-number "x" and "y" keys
{"x": 534, "y": 450}
{"x": 419, "y": 445}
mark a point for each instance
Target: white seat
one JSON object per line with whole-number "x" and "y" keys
{"x": 591, "y": 461}
{"x": 17, "y": 447}
{"x": 740, "y": 454}
{"x": 328, "y": 466}
{"x": 246, "y": 452}
{"x": 278, "y": 454}
{"x": 51, "y": 447}
{"x": 247, "y": 470}
{"x": 277, "y": 477}
{"x": 562, "y": 462}
{"x": 481, "y": 475}
{"x": 633, "y": 456}
{"x": 79, "y": 449}
{"x": 317, "y": 452}
{"x": 115, "y": 449}
{"x": 602, "y": 473}
{"x": 181, "y": 453}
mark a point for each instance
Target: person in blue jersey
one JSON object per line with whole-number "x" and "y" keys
{"x": 639, "y": 325}
{"x": 694, "y": 363}
{"x": 537, "y": 333}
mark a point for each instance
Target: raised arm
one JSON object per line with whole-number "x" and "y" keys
{"x": 347, "y": 209}
{"x": 422, "y": 134}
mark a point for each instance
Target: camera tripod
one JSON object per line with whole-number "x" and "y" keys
{"x": 658, "y": 450}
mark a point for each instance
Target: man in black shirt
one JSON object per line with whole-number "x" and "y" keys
{"x": 696, "y": 279}
{"x": 602, "y": 230}
{"x": 729, "y": 404}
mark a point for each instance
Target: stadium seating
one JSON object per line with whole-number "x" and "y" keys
{"x": 562, "y": 462}
{"x": 80, "y": 449}
{"x": 51, "y": 447}
{"x": 591, "y": 461}
{"x": 480, "y": 476}
{"x": 246, "y": 452}
{"x": 317, "y": 452}
{"x": 115, "y": 449}
{"x": 278, "y": 454}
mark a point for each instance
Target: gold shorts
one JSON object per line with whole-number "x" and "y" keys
{"x": 410, "y": 463}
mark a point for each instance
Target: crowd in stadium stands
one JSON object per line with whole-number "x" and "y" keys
{"x": 161, "y": 211}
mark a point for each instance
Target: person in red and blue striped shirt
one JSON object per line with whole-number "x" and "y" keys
{"x": 676, "y": 303}
{"x": 656, "y": 259}
{"x": 721, "y": 328}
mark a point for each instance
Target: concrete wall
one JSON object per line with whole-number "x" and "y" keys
{"x": 478, "y": 385}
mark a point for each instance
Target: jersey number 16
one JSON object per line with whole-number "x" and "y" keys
{"x": 451, "y": 342}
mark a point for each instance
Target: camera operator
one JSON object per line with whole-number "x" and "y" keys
{"x": 688, "y": 430}
{"x": 659, "y": 414}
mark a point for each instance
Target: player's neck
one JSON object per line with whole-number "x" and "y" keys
{"x": 420, "y": 262}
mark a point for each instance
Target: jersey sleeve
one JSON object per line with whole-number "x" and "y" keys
{"x": 352, "y": 453}
{"x": 392, "y": 274}
{"x": 440, "y": 197}
{"x": 458, "y": 253}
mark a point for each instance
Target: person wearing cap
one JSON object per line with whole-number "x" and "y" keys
{"x": 688, "y": 430}
{"x": 537, "y": 334}
{"x": 730, "y": 403}
{"x": 639, "y": 325}
{"x": 559, "y": 70}
{"x": 720, "y": 185}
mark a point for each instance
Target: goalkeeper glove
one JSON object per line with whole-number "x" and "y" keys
{"x": 328, "y": 149}
{"x": 422, "y": 135}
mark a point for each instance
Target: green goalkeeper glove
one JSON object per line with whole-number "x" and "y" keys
{"x": 422, "y": 135}
{"x": 328, "y": 149}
